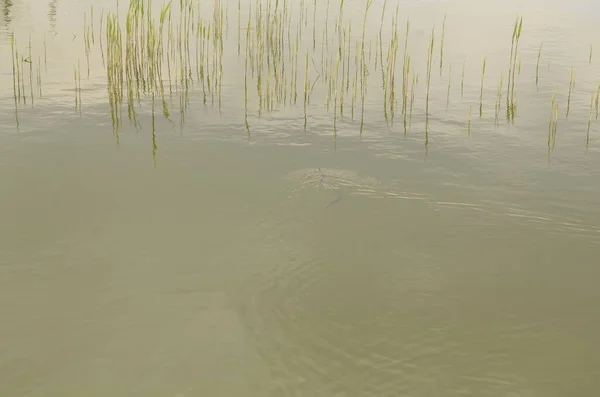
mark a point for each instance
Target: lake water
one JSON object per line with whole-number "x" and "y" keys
{"x": 193, "y": 256}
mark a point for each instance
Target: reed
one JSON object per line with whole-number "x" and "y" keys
{"x": 412, "y": 101}
{"x": 597, "y": 99}
{"x": 514, "y": 50}
{"x": 469, "y": 120}
{"x": 498, "y": 99}
{"x": 537, "y": 67}
{"x": 39, "y": 77}
{"x": 481, "y": 90}
{"x": 428, "y": 81}
{"x": 552, "y": 122}
{"x": 154, "y": 145}
{"x": 76, "y": 86}
{"x": 589, "y": 121}
{"x": 45, "y": 54}
{"x": 364, "y": 72}
{"x": 405, "y": 70}
{"x": 30, "y": 61}
{"x": 24, "y": 95}
{"x": 246, "y": 76}
{"x": 571, "y": 85}
{"x": 442, "y": 44}
{"x": 14, "y": 59}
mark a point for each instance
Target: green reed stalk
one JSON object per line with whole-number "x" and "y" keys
{"x": 597, "y": 99}
{"x": 23, "y": 80}
{"x": 79, "y": 84}
{"x": 348, "y": 57}
{"x": 14, "y": 59}
{"x": 552, "y": 122}
{"x": 511, "y": 106}
{"x": 429, "y": 63}
{"x": 39, "y": 77}
{"x": 364, "y": 72}
{"x": 326, "y": 25}
{"x": 306, "y": 88}
{"x": 412, "y": 100}
{"x": 380, "y": 39}
{"x": 30, "y": 61}
{"x": 76, "y": 96}
{"x": 537, "y": 67}
{"x": 154, "y": 145}
{"x": 45, "y": 54}
{"x": 591, "y": 49}
{"x": 498, "y": 98}
{"x": 590, "y": 114}
{"x": 442, "y": 44}
{"x": 314, "y": 24}
{"x": 239, "y": 28}
{"x": 405, "y": 70}
{"x": 571, "y": 85}
{"x": 481, "y": 91}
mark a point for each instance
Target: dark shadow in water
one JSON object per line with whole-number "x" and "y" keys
{"x": 334, "y": 201}
{"x": 7, "y": 11}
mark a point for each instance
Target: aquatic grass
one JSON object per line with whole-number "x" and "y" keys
{"x": 597, "y": 99}
{"x": 39, "y": 77}
{"x": 405, "y": 73}
{"x": 30, "y": 61}
{"x": 412, "y": 101}
{"x": 552, "y": 122}
{"x": 514, "y": 49}
{"x": 589, "y": 121}
{"x": 571, "y": 85}
{"x": 498, "y": 98}
{"x": 469, "y": 120}
{"x": 481, "y": 90}
{"x": 537, "y": 67}
{"x": 76, "y": 86}
{"x": 380, "y": 38}
{"x": 15, "y": 67}
{"x": 22, "y": 77}
{"x": 442, "y": 44}
{"x": 45, "y": 54}
{"x": 188, "y": 50}
{"x": 14, "y": 59}
{"x": 364, "y": 71}
{"x": 428, "y": 81}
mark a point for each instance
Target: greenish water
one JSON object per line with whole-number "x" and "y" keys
{"x": 203, "y": 259}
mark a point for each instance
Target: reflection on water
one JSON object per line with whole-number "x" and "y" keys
{"x": 52, "y": 14}
{"x": 6, "y": 12}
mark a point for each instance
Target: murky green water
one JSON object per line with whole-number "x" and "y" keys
{"x": 207, "y": 260}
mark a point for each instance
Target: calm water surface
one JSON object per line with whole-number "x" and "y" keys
{"x": 298, "y": 262}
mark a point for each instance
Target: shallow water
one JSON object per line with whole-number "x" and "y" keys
{"x": 206, "y": 260}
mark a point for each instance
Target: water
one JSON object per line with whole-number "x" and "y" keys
{"x": 203, "y": 260}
